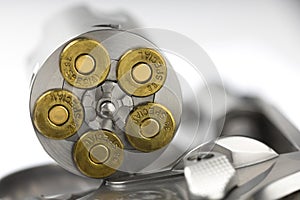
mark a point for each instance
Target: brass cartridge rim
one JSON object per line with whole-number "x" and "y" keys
{"x": 141, "y": 72}
{"x": 161, "y": 122}
{"x": 103, "y": 165}
{"x": 84, "y": 63}
{"x": 61, "y": 123}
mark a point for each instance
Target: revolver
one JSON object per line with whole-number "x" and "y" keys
{"x": 125, "y": 119}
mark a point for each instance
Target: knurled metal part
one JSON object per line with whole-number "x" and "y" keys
{"x": 58, "y": 114}
{"x": 150, "y": 127}
{"x": 98, "y": 154}
{"x": 84, "y": 63}
{"x": 141, "y": 72}
{"x": 106, "y": 103}
{"x": 209, "y": 175}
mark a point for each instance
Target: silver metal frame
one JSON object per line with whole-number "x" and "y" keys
{"x": 117, "y": 42}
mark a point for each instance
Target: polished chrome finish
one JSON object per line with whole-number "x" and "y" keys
{"x": 261, "y": 172}
{"x": 163, "y": 188}
{"x": 42, "y": 182}
{"x": 135, "y": 179}
{"x": 244, "y": 151}
{"x": 282, "y": 180}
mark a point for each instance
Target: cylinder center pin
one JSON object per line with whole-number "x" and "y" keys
{"x": 58, "y": 115}
{"x": 107, "y": 109}
{"x": 85, "y": 64}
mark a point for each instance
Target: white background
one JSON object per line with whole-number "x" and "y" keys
{"x": 254, "y": 44}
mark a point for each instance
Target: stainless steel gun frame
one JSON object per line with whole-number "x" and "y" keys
{"x": 109, "y": 104}
{"x": 256, "y": 157}
{"x": 238, "y": 165}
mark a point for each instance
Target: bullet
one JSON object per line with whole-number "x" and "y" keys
{"x": 84, "y": 63}
{"x": 150, "y": 127}
{"x": 58, "y": 114}
{"x": 141, "y": 72}
{"x": 98, "y": 154}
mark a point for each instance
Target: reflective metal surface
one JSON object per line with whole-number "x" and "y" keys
{"x": 253, "y": 167}
{"x": 171, "y": 187}
{"x": 261, "y": 172}
{"x": 242, "y": 151}
{"x": 41, "y": 183}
